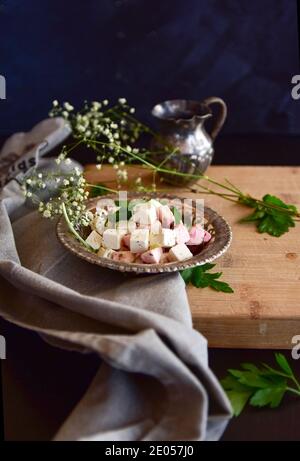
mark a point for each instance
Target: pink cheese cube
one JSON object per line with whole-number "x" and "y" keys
{"x": 196, "y": 235}
{"x": 164, "y": 258}
{"x": 165, "y": 216}
{"x": 152, "y": 256}
{"x": 207, "y": 237}
{"x": 126, "y": 240}
{"x": 123, "y": 256}
{"x": 182, "y": 233}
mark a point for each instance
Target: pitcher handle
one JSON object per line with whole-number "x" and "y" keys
{"x": 221, "y": 116}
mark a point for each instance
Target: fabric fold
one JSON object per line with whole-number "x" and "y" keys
{"x": 154, "y": 382}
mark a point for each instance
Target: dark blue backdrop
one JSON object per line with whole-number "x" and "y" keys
{"x": 150, "y": 50}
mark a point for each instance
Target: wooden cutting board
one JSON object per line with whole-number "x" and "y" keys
{"x": 264, "y": 310}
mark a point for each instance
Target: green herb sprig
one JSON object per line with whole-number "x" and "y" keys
{"x": 260, "y": 386}
{"x": 201, "y": 278}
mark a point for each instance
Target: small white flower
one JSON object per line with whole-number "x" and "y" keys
{"x": 105, "y": 102}
{"x": 96, "y": 105}
{"x": 111, "y": 160}
{"x": 122, "y": 163}
{"x": 47, "y": 214}
{"x": 122, "y": 175}
{"x": 66, "y": 182}
{"x": 122, "y": 100}
{"x": 132, "y": 110}
{"x": 99, "y": 166}
{"x": 67, "y": 161}
{"x": 28, "y": 194}
{"x": 29, "y": 181}
{"x": 40, "y": 175}
{"x": 55, "y": 103}
{"x": 65, "y": 114}
{"x": 68, "y": 107}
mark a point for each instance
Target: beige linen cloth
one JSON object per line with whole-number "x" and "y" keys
{"x": 154, "y": 382}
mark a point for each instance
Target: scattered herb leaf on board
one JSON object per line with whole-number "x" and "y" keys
{"x": 261, "y": 386}
{"x": 200, "y": 278}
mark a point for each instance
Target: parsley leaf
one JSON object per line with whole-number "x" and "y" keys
{"x": 260, "y": 386}
{"x": 177, "y": 215}
{"x": 200, "y": 278}
{"x": 270, "y": 215}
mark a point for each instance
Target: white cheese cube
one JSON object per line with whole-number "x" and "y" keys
{"x": 112, "y": 238}
{"x": 129, "y": 226}
{"x": 98, "y": 224}
{"x": 154, "y": 203}
{"x": 146, "y": 205}
{"x": 139, "y": 241}
{"x": 105, "y": 253}
{"x": 101, "y": 212}
{"x": 155, "y": 240}
{"x": 168, "y": 238}
{"x": 155, "y": 227}
{"x": 165, "y": 216}
{"x": 94, "y": 240}
{"x": 145, "y": 216}
{"x": 179, "y": 252}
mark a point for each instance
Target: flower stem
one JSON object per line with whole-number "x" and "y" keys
{"x": 72, "y": 229}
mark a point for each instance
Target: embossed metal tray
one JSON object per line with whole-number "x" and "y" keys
{"x": 216, "y": 224}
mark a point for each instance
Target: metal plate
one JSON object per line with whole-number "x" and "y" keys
{"x": 219, "y": 244}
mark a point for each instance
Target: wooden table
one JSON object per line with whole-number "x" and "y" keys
{"x": 264, "y": 311}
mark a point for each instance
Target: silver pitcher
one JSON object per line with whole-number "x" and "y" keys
{"x": 182, "y": 132}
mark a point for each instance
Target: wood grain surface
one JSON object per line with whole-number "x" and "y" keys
{"x": 264, "y": 310}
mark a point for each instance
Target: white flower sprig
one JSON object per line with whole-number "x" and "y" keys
{"x": 67, "y": 188}
{"x": 114, "y": 125}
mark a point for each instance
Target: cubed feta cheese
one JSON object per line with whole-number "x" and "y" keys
{"x": 152, "y": 256}
{"x": 155, "y": 227}
{"x": 146, "y": 205}
{"x": 155, "y": 240}
{"x": 165, "y": 216}
{"x": 179, "y": 252}
{"x": 126, "y": 240}
{"x": 145, "y": 216}
{"x": 182, "y": 233}
{"x": 168, "y": 238}
{"x": 98, "y": 224}
{"x": 106, "y": 253}
{"x": 207, "y": 237}
{"x": 112, "y": 238}
{"x": 139, "y": 240}
{"x": 94, "y": 240}
{"x": 196, "y": 235}
{"x": 101, "y": 212}
{"x": 155, "y": 203}
{"x": 123, "y": 256}
{"x": 129, "y": 226}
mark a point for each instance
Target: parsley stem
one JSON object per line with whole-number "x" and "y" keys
{"x": 293, "y": 390}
